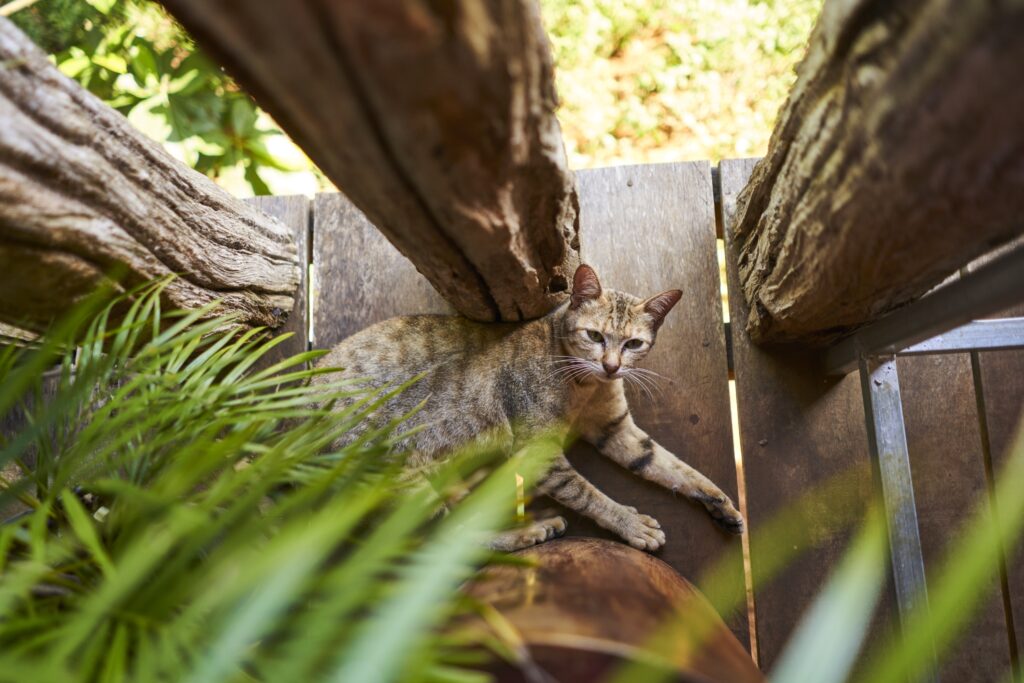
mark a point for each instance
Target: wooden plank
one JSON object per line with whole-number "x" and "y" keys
{"x": 948, "y": 468}
{"x": 359, "y": 277}
{"x": 1002, "y": 379}
{"x": 294, "y": 213}
{"x": 799, "y": 430}
{"x": 999, "y": 376}
{"x": 646, "y": 229}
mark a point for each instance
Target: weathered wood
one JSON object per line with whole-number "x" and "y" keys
{"x": 800, "y": 433}
{"x": 646, "y": 229}
{"x": 436, "y": 119}
{"x": 898, "y": 158}
{"x": 999, "y": 376}
{"x": 83, "y": 194}
{"x": 1002, "y": 379}
{"x": 358, "y": 277}
{"x": 580, "y": 617}
{"x": 948, "y": 468}
{"x": 630, "y": 213}
{"x": 295, "y": 213}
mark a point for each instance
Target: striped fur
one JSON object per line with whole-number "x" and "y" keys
{"x": 510, "y": 381}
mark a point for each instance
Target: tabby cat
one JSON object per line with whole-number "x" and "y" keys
{"x": 515, "y": 380}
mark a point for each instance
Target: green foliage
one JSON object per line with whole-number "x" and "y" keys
{"x": 664, "y": 80}
{"x": 188, "y": 518}
{"x": 133, "y": 56}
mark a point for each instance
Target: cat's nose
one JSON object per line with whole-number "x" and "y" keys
{"x": 610, "y": 368}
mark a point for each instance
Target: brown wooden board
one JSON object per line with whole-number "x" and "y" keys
{"x": 1000, "y": 381}
{"x": 646, "y": 229}
{"x": 948, "y": 469}
{"x": 294, "y": 212}
{"x": 651, "y": 228}
{"x": 1001, "y": 375}
{"x": 359, "y": 277}
{"x": 801, "y": 433}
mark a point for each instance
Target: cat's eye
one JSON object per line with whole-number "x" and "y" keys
{"x": 595, "y": 336}
{"x": 634, "y": 344}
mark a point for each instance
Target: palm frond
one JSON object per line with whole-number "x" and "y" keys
{"x": 190, "y": 519}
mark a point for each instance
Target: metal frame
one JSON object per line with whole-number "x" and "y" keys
{"x": 934, "y": 324}
{"x": 994, "y": 287}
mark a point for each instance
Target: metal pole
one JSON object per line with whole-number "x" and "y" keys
{"x": 887, "y": 440}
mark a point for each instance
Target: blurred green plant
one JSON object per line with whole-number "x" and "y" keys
{"x": 187, "y": 517}
{"x": 665, "y": 80}
{"x": 133, "y": 56}
{"x": 827, "y": 645}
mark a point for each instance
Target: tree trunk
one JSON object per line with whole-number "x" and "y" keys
{"x": 435, "y": 118}
{"x": 83, "y": 194}
{"x": 898, "y": 158}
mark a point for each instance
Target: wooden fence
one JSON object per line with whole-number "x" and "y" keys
{"x": 805, "y": 451}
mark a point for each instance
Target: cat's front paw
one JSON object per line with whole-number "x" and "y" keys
{"x": 722, "y": 511}
{"x": 543, "y": 530}
{"x": 640, "y": 531}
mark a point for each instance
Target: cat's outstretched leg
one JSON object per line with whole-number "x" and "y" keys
{"x": 621, "y": 440}
{"x": 567, "y": 486}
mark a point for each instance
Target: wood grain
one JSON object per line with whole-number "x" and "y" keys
{"x": 579, "y": 618}
{"x": 646, "y": 229}
{"x": 293, "y": 212}
{"x": 359, "y": 277}
{"x": 650, "y": 228}
{"x": 801, "y": 433}
{"x": 948, "y": 469}
{"x": 900, "y": 116}
{"x": 436, "y": 119}
{"x": 1000, "y": 379}
{"x": 84, "y": 195}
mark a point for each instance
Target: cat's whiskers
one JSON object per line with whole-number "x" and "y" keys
{"x": 656, "y": 388}
{"x": 642, "y": 382}
{"x": 647, "y": 372}
{"x": 570, "y": 368}
{"x": 635, "y": 380}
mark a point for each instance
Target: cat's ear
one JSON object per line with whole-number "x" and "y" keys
{"x": 659, "y": 305}
{"x": 585, "y": 286}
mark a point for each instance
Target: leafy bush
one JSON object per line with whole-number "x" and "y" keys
{"x": 187, "y": 517}
{"x": 132, "y": 55}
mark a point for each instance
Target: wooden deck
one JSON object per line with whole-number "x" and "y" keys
{"x": 802, "y": 439}
{"x": 802, "y": 435}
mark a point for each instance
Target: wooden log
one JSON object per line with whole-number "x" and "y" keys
{"x": 898, "y": 158}
{"x": 589, "y": 604}
{"x": 435, "y": 119}
{"x": 82, "y": 193}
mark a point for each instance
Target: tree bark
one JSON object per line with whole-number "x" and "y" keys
{"x": 84, "y": 195}
{"x": 898, "y": 158}
{"x": 435, "y": 118}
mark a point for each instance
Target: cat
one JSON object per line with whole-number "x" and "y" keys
{"x": 518, "y": 379}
